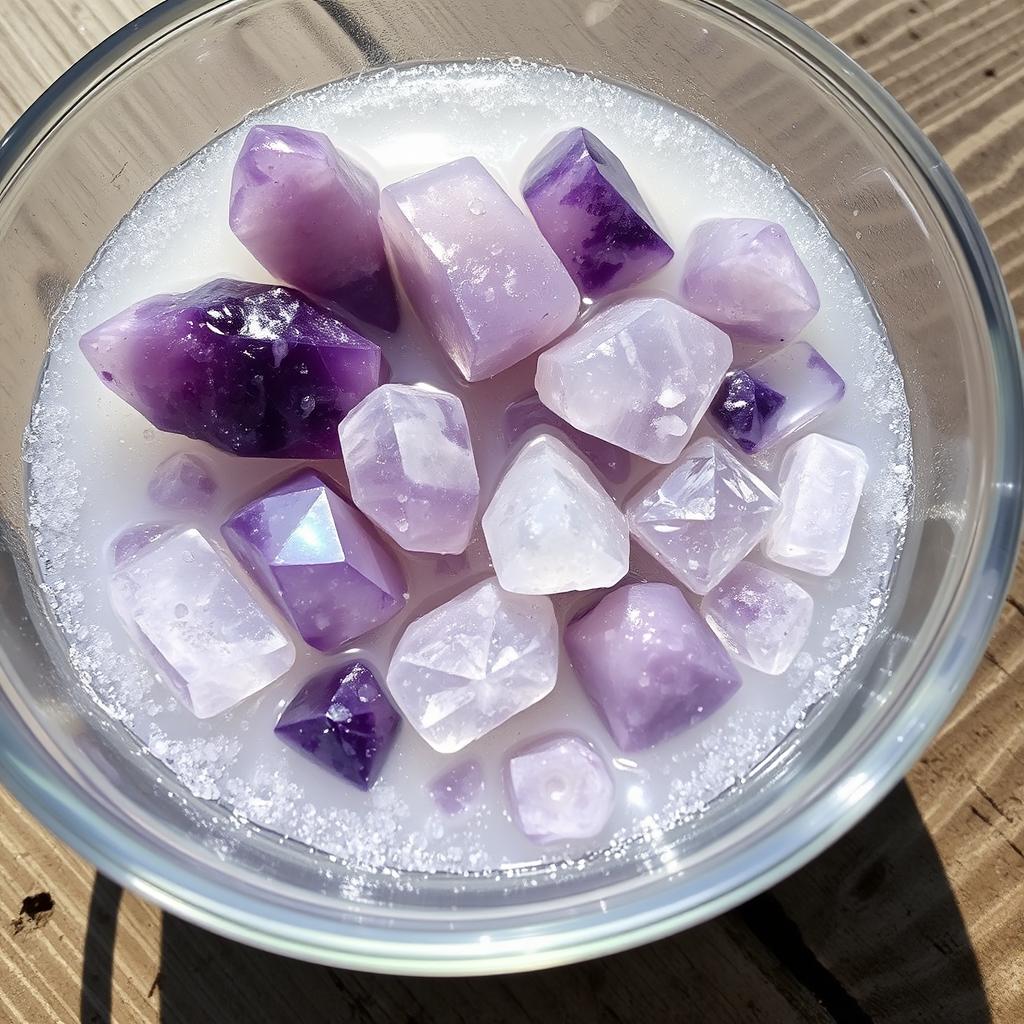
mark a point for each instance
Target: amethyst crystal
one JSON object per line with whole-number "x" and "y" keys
{"x": 454, "y": 790}
{"x": 250, "y": 368}
{"x": 183, "y": 481}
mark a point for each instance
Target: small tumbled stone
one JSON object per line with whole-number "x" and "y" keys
{"x": 559, "y": 789}
{"x": 551, "y": 527}
{"x": 476, "y": 269}
{"x": 130, "y": 541}
{"x": 638, "y": 375}
{"x": 701, "y": 517}
{"x": 744, "y": 276}
{"x": 318, "y": 560}
{"x": 208, "y": 639}
{"x": 765, "y": 403}
{"x": 183, "y": 481}
{"x": 410, "y": 467}
{"x": 762, "y": 617}
{"x": 592, "y": 214}
{"x": 464, "y": 668}
{"x": 649, "y": 664}
{"x": 252, "y": 369}
{"x": 342, "y": 720}
{"x": 820, "y": 482}
{"x": 456, "y": 789}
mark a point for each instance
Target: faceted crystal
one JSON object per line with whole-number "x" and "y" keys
{"x": 317, "y": 558}
{"x": 639, "y": 375}
{"x": 775, "y": 397}
{"x": 454, "y": 790}
{"x": 342, "y": 719}
{"x": 410, "y": 466}
{"x": 761, "y": 617}
{"x": 206, "y": 635}
{"x": 183, "y": 482}
{"x": 475, "y": 267}
{"x": 250, "y": 368}
{"x": 464, "y": 668}
{"x": 589, "y": 209}
{"x": 702, "y": 517}
{"x": 559, "y": 788}
{"x": 310, "y": 216}
{"x": 551, "y": 527}
{"x": 820, "y": 482}
{"x": 745, "y": 276}
{"x": 649, "y": 664}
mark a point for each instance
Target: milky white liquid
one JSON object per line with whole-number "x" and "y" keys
{"x": 91, "y": 456}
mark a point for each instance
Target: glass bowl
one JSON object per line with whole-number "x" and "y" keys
{"x": 170, "y": 82}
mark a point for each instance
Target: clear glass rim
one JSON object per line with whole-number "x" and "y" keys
{"x": 829, "y": 805}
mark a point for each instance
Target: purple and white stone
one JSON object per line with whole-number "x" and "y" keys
{"x": 592, "y": 214}
{"x": 477, "y": 271}
{"x": 649, "y": 664}
{"x": 130, "y": 541}
{"x": 310, "y": 216}
{"x": 638, "y": 375}
{"x": 457, "y": 788}
{"x": 762, "y": 617}
{"x": 772, "y": 399}
{"x": 318, "y": 560}
{"x": 744, "y": 276}
{"x": 183, "y": 481}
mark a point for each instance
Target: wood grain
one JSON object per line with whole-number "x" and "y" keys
{"x": 915, "y": 916}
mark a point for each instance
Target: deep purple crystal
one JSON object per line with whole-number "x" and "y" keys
{"x": 342, "y": 719}
{"x": 252, "y": 369}
{"x": 742, "y": 407}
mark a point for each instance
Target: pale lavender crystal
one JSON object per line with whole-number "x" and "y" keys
{"x": 131, "y": 541}
{"x": 744, "y": 276}
{"x": 559, "y": 789}
{"x": 309, "y": 215}
{"x": 592, "y": 213}
{"x": 476, "y": 269}
{"x": 762, "y": 617}
{"x": 701, "y": 517}
{"x": 765, "y": 403}
{"x": 639, "y": 375}
{"x": 410, "y": 467}
{"x": 317, "y": 558}
{"x": 183, "y": 481}
{"x": 649, "y": 664}
{"x": 454, "y": 790}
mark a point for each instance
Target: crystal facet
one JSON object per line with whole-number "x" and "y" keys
{"x": 639, "y": 375}
{"x": 551, "y": 527}
{"x": 703, "y": 516}
{"x": 454, "y": 790}
{"x": 593, "y": 215}
{"x": 559, "y": 789}
{"x": 208, "y": 638}
{"x": 745, "y": 276}
{"x": 761, "y": 617}
{"x": 464, "y": 668}
{"x": 820, "y": 483}
{"x": 342, "y": 719}
{"x": 250, "y": 368}
{"x": 317, "y": 558}
{"x": 129, "y": 542}
{"x": 309, "y": 215}
{"x": 475, "y": 267}
{"x": 410, "y": 467}
{"x": 649, "y": 664}
{"x": 775, "y": 397}
{"x": 183, "y": 482}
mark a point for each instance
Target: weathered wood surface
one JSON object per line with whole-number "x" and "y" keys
{"x": 916, "y": 916}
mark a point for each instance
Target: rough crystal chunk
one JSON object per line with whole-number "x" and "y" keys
{"x": 745, "y": 276}
{"x": 821, "y": 482}
{"x": 410, "y": 467}
{"x": 342, "y": 720}
{"x": 309, "y": 215}
{"x": 317, "y": 558}
{"x": 591, "y": 212}
{"x": 761, "y": 617}
{"x": 475, "y": 267}
{"x": 703, "y": 516}
{"x": 130, "y": 541}
{"x": 639, "y": 375}
{"x": 559, "y": 789}
{"x": 464, "y": 668}
{"x": 649, "y": 664}
{"x": 775, "y": 397}
{"x": 208, "y": 638}
{"x": 454, "y": 790}
{"x": 551, "y": 527}
{"x": 250, "y": 368}
{"x": 184, "y": 482}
